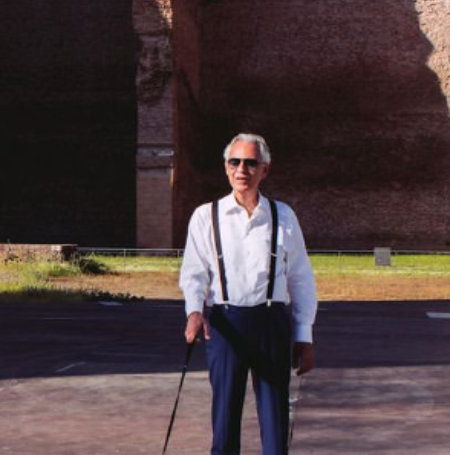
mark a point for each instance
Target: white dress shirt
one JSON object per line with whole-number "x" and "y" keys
{"x": 246, "y": 244}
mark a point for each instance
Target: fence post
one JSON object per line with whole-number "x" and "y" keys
{"x": 382, "y": 256}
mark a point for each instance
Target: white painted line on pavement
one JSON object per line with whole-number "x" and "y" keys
{"x": 438, "y": 315}
{"x": 111, "y": 303}
{"x": 68, "y": 367}
{"x": 65, "y": 319}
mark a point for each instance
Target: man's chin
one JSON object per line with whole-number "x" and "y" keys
{"x": 241, "y": 188}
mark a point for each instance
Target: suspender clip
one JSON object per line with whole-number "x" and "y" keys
{"x": 269, "y": 303}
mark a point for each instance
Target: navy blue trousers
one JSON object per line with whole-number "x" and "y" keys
{"x": 256, "y": 339}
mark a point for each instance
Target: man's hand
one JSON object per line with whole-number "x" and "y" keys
{"x": 196, "y": 324}
{"x": 302, "y": 357}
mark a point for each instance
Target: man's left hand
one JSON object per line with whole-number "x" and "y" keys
{"x": 303, "y": 357}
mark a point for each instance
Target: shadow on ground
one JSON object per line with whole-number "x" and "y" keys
{"x": 67, "y": 338}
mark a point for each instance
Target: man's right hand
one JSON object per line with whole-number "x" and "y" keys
{"x": 196, "y": 324}
{"x": 303, "y": 357}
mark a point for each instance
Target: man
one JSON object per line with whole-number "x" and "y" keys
{"x": 232, "y": 268}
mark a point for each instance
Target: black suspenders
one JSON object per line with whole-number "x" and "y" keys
{"x": 273, "y": 252}
{"x": 223, "y": 278}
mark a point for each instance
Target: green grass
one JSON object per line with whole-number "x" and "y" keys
{"x": 332, "y": 264}
{"x": 32, "y": 272}
{"x": 118, "y": 264}
{"x": 401, "y": 264}
{"x": 34, "y": 278}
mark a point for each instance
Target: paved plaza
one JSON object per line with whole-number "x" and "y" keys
{"x": 100, "y": 378}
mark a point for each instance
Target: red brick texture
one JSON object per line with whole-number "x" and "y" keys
{"x": 351, "y": 95}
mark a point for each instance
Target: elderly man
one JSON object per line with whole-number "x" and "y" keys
{"x": 245, "y": 257}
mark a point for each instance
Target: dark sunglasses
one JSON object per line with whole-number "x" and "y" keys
{"x": 251, "y": 163}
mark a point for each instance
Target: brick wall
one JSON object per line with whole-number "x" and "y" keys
{"x": 353, "y": 97}
{"x": 154, "y": 161}
{"x": 189, "y": 133}
{"x": 154, "y": 210}
{"x": 115, "y": 116}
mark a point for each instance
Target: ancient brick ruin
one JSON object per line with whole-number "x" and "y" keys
{"x": 117, "y": 114}
{"x": 353, "y": 97}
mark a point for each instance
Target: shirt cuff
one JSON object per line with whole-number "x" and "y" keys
{"x": 193, "y": 306}
{"x": 303, "y": 334}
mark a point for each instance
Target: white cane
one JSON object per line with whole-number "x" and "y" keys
{"x": 294, "y": 399}
{"x": 189, "y": 349}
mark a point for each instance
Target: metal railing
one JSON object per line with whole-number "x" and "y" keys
{"x": 132, "y": 252}
{"x": 178, "y": 252}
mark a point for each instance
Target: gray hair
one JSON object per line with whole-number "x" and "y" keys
{"x": 264, "y": 152}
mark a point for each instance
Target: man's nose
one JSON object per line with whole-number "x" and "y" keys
{"x": 242, "y": 167}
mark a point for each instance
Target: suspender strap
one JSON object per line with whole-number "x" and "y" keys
{"x": 273, "y": 251}
{"x": 218, "y": 242}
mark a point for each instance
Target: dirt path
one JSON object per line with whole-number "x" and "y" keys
{"x": 158, "y": 285}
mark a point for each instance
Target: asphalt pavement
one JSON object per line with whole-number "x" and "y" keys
{"x": 100, "y": 378}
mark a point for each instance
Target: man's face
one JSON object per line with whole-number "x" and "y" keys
{"x": 245, "y": 177}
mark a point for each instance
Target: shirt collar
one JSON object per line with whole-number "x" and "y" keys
{"x": 230, "y": 204}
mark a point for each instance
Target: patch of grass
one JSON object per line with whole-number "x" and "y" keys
{"x": 119, "y": 277}
{"x": 118, "y": 264}
{"x": 32, "y": 278}
{"x": 39, "y": 291}
{"x": 323, "y": 264}
{"x": 401, "y": 264}
{"x": 51, "y": 293}
{"x": 31, "y": 273}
